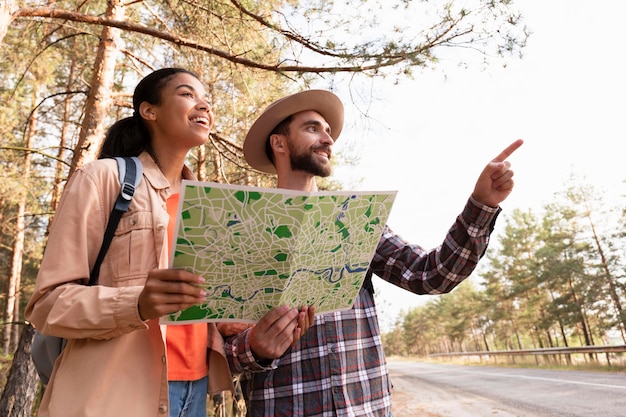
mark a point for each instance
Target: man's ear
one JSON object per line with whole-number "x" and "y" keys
{"x": 277, "y": 142}
{"x": 147, "y": 111}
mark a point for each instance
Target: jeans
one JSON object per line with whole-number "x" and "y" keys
{"x": 188, "y": 398}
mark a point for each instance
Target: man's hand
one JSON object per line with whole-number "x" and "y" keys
{"x": 495, "y": 183}
{"x": 305, "y": 320}
{"x": 169, "y": 290}
{"x": 279, "y": 329}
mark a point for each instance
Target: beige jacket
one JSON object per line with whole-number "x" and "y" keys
{"x": 114, "y": 363}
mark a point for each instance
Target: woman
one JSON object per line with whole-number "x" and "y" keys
{"x": 116, "y": 362}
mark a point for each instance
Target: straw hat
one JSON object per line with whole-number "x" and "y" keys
{"x": 324, "y": 102}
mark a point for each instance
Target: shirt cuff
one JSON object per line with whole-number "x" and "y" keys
{"x": 128, "y": 317}
{"x": 247, "y": 359}
{"x": 480, "y": 215}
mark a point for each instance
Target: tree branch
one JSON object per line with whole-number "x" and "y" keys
{"x": 379, "y": 61}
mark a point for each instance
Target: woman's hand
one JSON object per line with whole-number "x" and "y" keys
{"x": 167, "y": 291}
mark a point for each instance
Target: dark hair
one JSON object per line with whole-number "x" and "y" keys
{"x": 281, "y": 129}
{"x": 129, "y": 136}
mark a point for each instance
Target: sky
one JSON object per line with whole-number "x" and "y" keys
{"x": 432, "y": 135}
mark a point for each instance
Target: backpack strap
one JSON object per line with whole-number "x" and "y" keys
{"x": 130, "y": 173}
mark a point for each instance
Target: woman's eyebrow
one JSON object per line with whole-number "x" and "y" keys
{"x": 206, "y": 95}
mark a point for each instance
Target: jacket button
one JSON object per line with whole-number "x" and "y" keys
{"x": 162, "y": 408}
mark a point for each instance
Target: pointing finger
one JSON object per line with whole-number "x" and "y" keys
{"x": 508, "y": 151}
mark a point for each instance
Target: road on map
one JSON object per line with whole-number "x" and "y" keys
{"x": 440, "y": 390}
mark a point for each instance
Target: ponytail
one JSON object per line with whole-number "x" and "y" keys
{"x": 127, "y": 137}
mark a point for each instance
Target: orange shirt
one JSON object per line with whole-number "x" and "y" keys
{"x": 186, "y": 343}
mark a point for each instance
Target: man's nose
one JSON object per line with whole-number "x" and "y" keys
{"x": 327, "y": 139}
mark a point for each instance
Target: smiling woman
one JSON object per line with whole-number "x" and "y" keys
{"x": 113, "y": 328}
{"x": 185, "y": 116}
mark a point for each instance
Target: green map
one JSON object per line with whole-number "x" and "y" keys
{"x": 259, "y": 248}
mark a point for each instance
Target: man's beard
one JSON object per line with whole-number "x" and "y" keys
{"x": 306, "y": 162}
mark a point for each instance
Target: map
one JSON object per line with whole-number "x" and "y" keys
{"x": 259, "y": 248}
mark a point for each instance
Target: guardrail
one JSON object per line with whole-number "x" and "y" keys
{"x": 591, "y": 350}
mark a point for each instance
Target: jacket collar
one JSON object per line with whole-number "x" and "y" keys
{"x": 155, "y": 177}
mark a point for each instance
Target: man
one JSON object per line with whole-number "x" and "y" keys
{"x": 337, "y": 367}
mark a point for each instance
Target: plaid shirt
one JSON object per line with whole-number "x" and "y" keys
{"x": 338, "y": 367}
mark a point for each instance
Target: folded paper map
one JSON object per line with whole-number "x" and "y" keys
{"x": 259, "y": 248}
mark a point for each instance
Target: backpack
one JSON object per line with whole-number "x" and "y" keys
{"x": 46, "y": 349}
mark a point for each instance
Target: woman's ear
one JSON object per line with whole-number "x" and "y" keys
{"x": 147, "y": 111}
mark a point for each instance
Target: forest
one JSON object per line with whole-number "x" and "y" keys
{"x": 68, "y": 70}
{"x": 552, "y": 279}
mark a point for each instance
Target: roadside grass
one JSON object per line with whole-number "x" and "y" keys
{"x": 616, "y": 364}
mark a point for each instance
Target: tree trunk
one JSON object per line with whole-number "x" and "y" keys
{"x": 586, "y": 331}
{"x": 59, "y": 174}
{"x": 12, "y": 307}
{"x": 100, "y": 96}
{"x": 6, "y": 11}
{"x": 485, "y": 341}
{"x": 201, "y": 162}
{"x": 20, "y": 390}
{"x": 610, "y": 280}
{"x": 218, "y": 169}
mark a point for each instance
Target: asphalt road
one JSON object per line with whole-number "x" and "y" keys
{"x": 439, "y": 390}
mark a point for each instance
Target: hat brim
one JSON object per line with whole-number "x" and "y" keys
{"x": 324, "y": 102}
